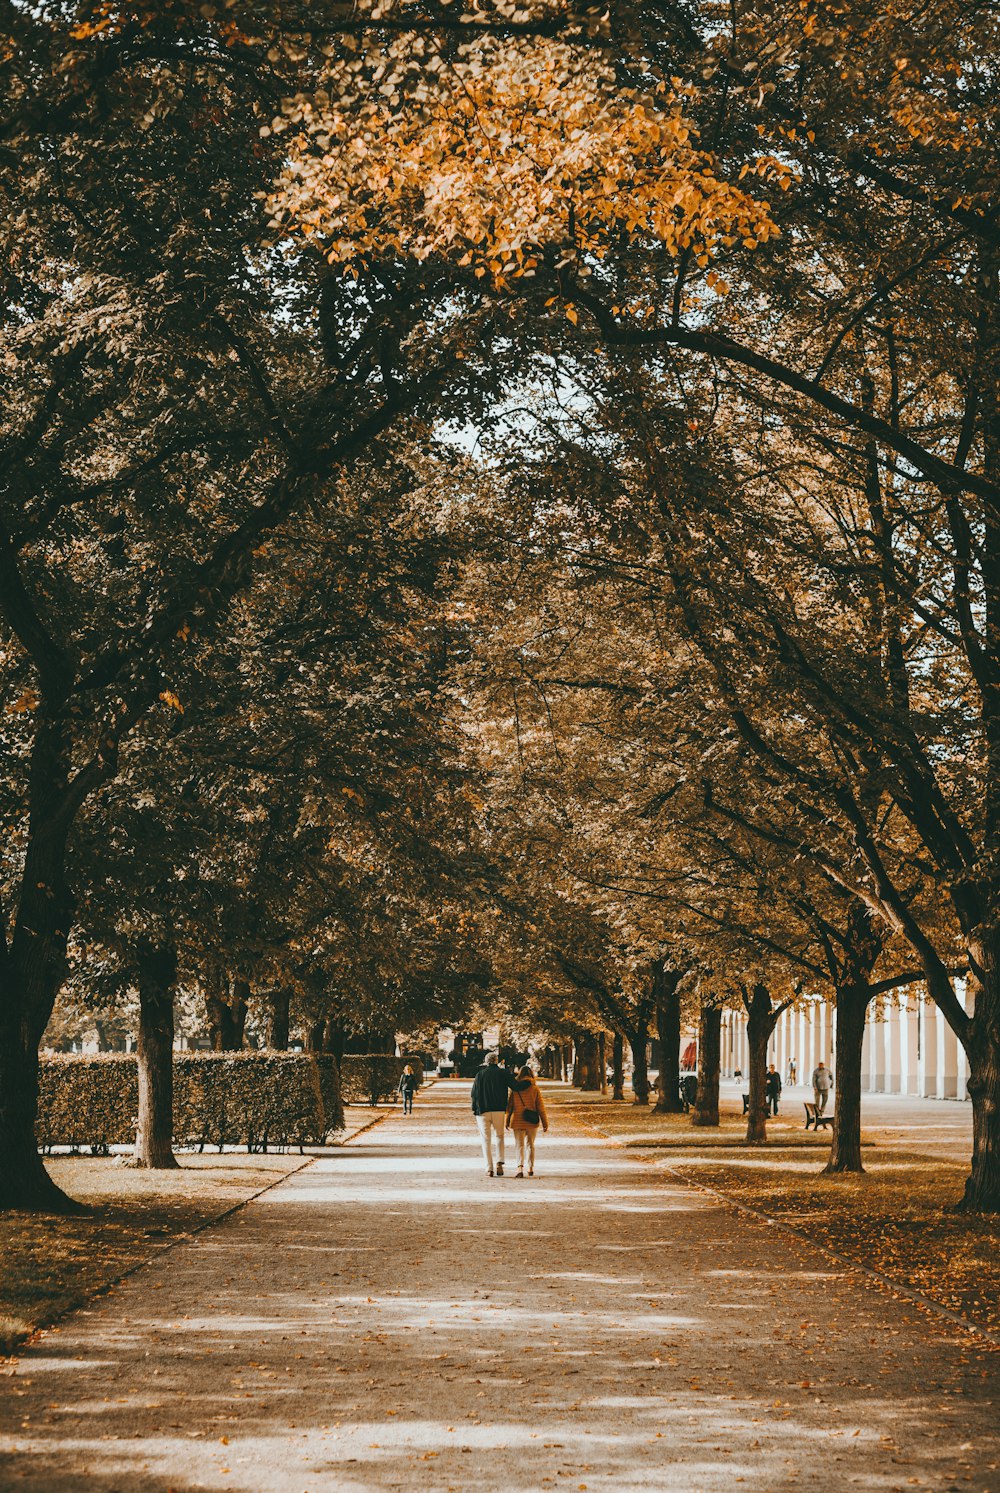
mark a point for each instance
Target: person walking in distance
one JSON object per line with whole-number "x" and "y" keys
{"x": 821, "y": 1086}
{"x": 408, "y": 1087}
{"x": 772, "y": 1089}
{"x": 490, "y": 1090}
{"x": 525, "y": 1112}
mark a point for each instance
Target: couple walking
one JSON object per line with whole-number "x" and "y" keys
{"x": 502, "y": 1101}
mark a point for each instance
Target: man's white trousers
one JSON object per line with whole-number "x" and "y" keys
{"x": 493, "y": 1120}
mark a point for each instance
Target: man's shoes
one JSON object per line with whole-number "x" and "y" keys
{"x": 531, "y": 1171}
{"x": 490, "y": 1172}
{"x": 499, "y": 1168}
{"x": 519, "y": 1172}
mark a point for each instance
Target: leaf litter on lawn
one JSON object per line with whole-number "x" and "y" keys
{"x": 898, "y": 1218}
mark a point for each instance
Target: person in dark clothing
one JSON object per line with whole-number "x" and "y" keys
{"x": 772, "y": 1089}
{"x": 490, "y": 1089}
{"x": 408, "y": 1086}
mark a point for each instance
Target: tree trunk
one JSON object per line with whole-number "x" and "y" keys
{"x": 588, "y": 1077}
{"x": 618, "y": 1067}
{"x": 239, "y": 999}
{"x": 706, "y": 1104}
{"x": 32, "y": 969}
{"x": 278, "y": 1029}
{"x": 639, "y": 1043}
{"x": 578, "y": 1062}
{"x": 845, "y": 1148}
{"x": 334, "y": 1038}
{"x": 24, "y": 1182}
{"x": 602, "y": 1059}
{"x": 316, "y": 1036}
{"x": 761, "y": 1019}
{"x": 982, "y": 1047}
{"x": 668, "y": 1024}
{"x": 157, "y": 976}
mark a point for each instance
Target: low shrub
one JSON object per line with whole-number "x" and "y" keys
{"x": 254, "y": 1099}
{"x": 251, "y": 1098}
{"x": 329, "y": 1089}
{"x": 367, "y": 1077}
{"x": 87, "y": 1101}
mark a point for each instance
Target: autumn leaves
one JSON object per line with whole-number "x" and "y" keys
{"x": 497, "y": 153}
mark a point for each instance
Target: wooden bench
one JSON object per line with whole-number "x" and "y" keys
{"x": 767, "y": 1106}
{"x": 815, "y": 1121}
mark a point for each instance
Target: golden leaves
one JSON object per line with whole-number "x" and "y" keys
{"x": 514, "y": 149}
{"x": 27, "y": 701}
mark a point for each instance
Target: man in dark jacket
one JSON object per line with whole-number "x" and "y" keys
{"x": 490, "y": 1088}
{"x": 772, "y": 1089}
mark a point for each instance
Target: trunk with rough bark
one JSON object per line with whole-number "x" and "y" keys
{"x": 668, "y": 1025}
{"x": 278, "y": 1026}
{"x": 762, "y": 1017}
{"x": 576, "y": 1075}
{"x": 845, "y": 1148}
{"x": 226, "y": 1005}
{"x": 982, "y": 1047}
{"x": 618, "y": 1067}
{"x": 32, "y": 968}
{"x": 157, "y": 976}
{"x": 24, "y": 1182}
{"x": 587, "y": 1072}
{"x": 706, "y": 1104}
{"x": 239, "y": 1001}
{"x": 316, "y": 1036}
{"x": 602, "y": 1060}
{"x": 639, "y": 1043}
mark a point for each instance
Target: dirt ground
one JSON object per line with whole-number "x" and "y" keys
{"x": 898, "y": 1219}
{"x": 50, "y": 1265}
{"x": 390, "y": 1317}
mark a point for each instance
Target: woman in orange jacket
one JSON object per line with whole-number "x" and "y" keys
{"x": 525, "y": 1112}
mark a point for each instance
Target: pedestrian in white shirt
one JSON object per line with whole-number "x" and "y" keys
{"x": 821, "y": 1086}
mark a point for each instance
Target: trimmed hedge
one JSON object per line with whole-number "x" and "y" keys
{"x": 254, "y": 1099}
{"x": 329, "y": 1092}
{"x": 367, "y": 1077}
{"x": 87, "y": 1101}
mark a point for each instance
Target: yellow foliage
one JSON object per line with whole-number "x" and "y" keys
{"x": 515, "y": 148}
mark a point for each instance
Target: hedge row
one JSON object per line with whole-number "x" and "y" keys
{"x": 367, "y": 1077}
{"x": 254, "y": 1099}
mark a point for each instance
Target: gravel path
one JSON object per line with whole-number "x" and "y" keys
{"x": 391, "y": 1318}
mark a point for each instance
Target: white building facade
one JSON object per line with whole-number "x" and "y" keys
{"x": 909, "y": 1048}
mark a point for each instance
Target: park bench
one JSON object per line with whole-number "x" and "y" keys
{"x": 746, "y": 1105}
{"x": 815, "y": 1121}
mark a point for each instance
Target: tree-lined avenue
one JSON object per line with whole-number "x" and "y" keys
{"x": 389, "y": 1317}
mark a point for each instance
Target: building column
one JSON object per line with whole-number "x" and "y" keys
{"x": 866, "y": 1053}
{"x": 962, "y": 1064}
{"x": 909, "y": 1039}
{"x": 927, "y": 1064}
{"x": 893, "y": 1064}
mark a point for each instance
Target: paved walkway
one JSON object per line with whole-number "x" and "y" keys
{"x": 391, "y": 1318}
